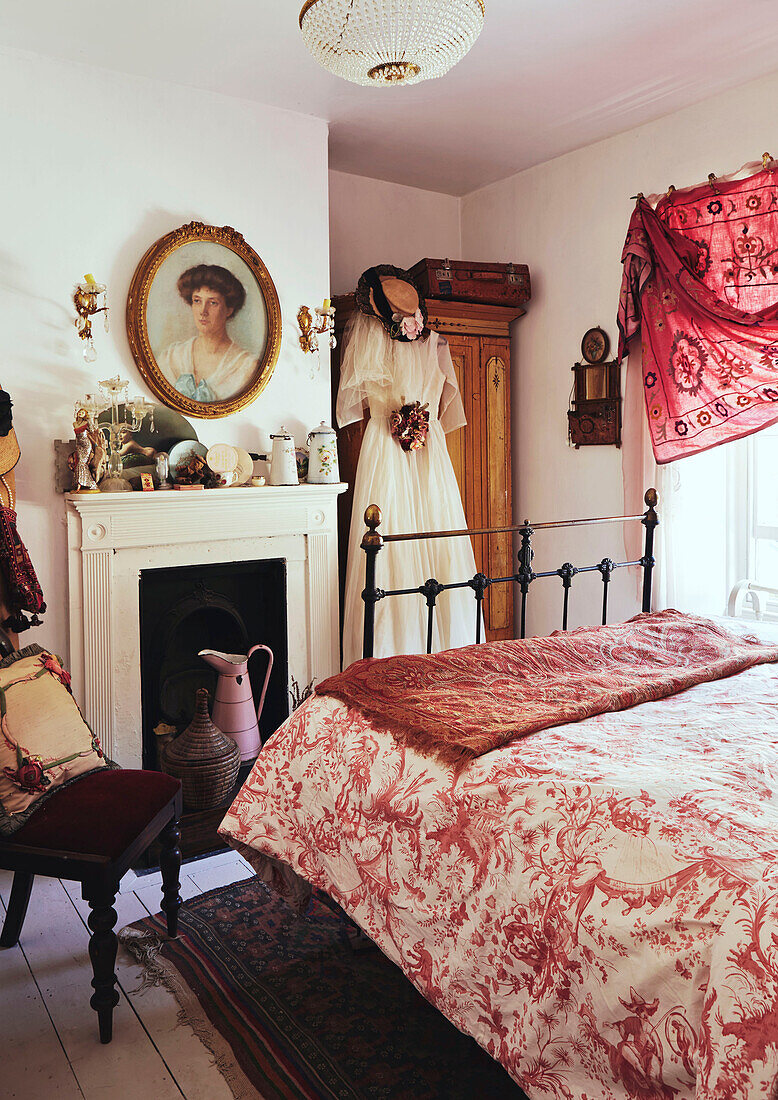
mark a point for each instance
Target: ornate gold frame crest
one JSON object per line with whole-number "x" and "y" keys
{"x": 137, "y": 331}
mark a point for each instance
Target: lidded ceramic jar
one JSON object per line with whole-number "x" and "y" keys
{"x": 323, "y": 456}
{"x": 203, "y": 758}
{"x": 282, "y": 459}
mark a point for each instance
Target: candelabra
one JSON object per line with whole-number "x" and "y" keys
{"x": 120, "y": 417}
{"x": 87, "y": 302}
{"x": 122, "y": 422}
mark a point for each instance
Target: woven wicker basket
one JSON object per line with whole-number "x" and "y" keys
{"x": 204, "y": 759}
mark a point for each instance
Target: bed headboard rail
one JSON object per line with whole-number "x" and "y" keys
{"x": 373, "y": 542}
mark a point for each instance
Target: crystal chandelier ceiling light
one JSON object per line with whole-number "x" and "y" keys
{"x": 382, "y": 43}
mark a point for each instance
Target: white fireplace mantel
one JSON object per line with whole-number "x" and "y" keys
{"x": 113, "y": 537}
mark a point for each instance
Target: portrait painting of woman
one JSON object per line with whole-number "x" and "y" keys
{"x": 209, "y": 366}
{"x": 204, "y": 321}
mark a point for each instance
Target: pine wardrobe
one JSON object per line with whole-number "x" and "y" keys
{"x": 479, "y": 339}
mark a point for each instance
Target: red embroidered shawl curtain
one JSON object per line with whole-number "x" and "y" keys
{"x": 701, "y": 284}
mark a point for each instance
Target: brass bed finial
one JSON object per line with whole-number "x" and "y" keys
{"x": 372, "y": 537}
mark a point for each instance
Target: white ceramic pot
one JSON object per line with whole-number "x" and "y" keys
{"x": 282, "y": 460}
{"x": 323, "y": 456}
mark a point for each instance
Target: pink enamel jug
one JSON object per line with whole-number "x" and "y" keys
{"x": 233, "y": 708}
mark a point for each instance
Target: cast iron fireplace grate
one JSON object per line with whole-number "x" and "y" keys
{"x": 228, "y": 606}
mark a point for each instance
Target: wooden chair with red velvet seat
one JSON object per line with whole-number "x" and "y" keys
{"x": 92, "y": 831}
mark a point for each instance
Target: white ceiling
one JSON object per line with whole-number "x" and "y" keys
{"x": 544, "y": 77}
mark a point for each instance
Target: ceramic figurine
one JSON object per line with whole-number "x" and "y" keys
{"x": 81, "y": 461}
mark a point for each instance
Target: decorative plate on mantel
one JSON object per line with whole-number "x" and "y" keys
{"x": 183, "y": 451}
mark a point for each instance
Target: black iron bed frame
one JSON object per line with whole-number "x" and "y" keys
{"x": 373, "y": 542}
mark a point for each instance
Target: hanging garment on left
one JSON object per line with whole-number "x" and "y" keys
{"x": 20, "y": 592}
{"x": 701, "y": 284}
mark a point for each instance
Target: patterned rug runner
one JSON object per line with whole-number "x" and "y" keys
{"x": 292, "y": 1011}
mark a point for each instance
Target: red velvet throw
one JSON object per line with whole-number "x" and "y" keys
{"x": 701, "y": 283}
{"x": 457, "y": 705}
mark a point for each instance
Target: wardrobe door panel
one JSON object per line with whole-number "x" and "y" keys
{"x": 495, "y": 370}
{"x": 464, "y": 445}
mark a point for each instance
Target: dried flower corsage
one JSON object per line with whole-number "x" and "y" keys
{"x": 52, "y": 664}
{"x": 410, "y": 327}
{"x": 29, "y": 775}
{"x": 409, "y": 425}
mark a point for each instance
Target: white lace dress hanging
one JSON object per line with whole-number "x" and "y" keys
{"x": 416, "y": 491}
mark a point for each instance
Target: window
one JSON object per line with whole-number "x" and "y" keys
{"x": 764, "y": 521}
{"x": 752, "y": 528}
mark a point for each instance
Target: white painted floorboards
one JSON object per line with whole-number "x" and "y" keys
{"x": 50, "y": 1043}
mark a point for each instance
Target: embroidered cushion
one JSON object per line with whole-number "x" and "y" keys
{"x": 44, "y": 740}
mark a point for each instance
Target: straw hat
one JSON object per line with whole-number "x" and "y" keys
{"x": 390, "y": 294}
{"x": 9, "y": 452}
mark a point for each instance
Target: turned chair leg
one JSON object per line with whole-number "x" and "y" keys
{"x": 17, "y": 908}
{"x": 170, "y": 865}
{"x": 102, "y": 951}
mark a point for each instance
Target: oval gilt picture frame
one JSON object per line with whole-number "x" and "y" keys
{"x": 204, "y": 321}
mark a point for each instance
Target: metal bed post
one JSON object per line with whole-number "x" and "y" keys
{"x": 372, "y": 543}
{"x": 525, "y": 576}
{"x": 650, "y": 521}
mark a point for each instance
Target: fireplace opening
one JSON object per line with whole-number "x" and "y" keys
{"x": 230, "y": 607}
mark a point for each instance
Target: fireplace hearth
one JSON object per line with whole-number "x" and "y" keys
{"x": 119, "y": 541}
{"x": 229, "y": 607}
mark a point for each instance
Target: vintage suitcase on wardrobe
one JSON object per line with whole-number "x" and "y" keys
{"x": 463, "y": 281}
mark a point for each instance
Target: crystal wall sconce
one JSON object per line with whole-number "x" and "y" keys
{"x": 90, "y": 298}
{"x": 311, "y": 330}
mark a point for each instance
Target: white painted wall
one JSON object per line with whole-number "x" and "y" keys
{"x": 567, "y": 219}
{"x": 96, "y": 167}
{"x": 375, "y": 222}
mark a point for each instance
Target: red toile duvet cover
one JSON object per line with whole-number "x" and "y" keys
{"x": 596, "y": 903}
